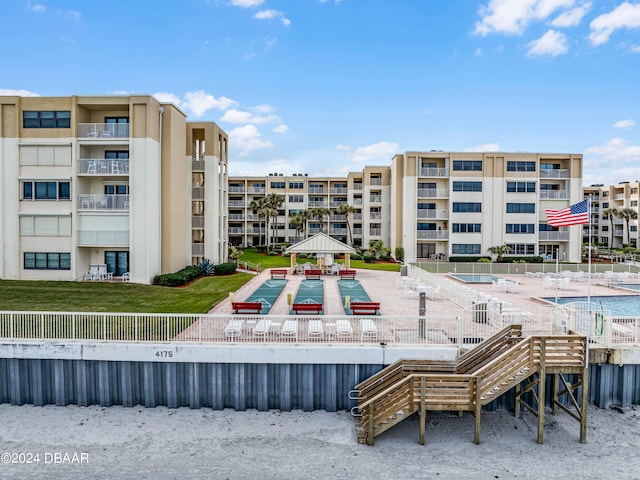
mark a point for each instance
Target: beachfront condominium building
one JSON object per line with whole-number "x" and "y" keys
{"x": 121, "y": 181}
{"x": 614, "y": 214}
{"x": 367, "y": 192}
{"x": 461, "y": 203}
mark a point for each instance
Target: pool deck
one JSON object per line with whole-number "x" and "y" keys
{"x": 381, "y": 287}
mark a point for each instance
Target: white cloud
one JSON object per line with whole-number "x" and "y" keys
{"x": 634, "y": 49}
{"x": 551, "y": 43}
{"x": 628, "y": 123}
{"x": 238, "y": 116}
{"x": 572, "y": 17}
{"x": 73, "y": 14}
{"x": 513, "y": 17}
{"x": 17, "y": 93}
{"x": 37, "y": 7}
{"x": 246, "y": 3}
{"x": 282, "y": 128}
{"x": 625, "y": 15}
{"x": 616, "y": 149}
{"x": 377, "y": 151}
{"x": 272, "y": 14}
{"x": 246, "y": 139}
{"x": 485, "y": 147}
{"x": 196, "y": 102}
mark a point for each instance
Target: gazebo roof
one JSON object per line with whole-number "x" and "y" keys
{"x": 320, "y": 243}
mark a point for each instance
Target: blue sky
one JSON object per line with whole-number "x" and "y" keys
{"x": 327, "y": 86}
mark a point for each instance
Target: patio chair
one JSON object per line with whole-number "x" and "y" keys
{"x": 315, "y": 330}
{"x": 126, "y": 277}
{"x": 343, "y": 329}
{"x": 289, "y": 329}
{"x": 93, "y": 273}
{"x": 261, "y": 329}
{"x": 233, "y": 328}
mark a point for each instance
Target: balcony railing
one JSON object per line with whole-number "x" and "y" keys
{"x": 433, "y": 192}
{"x": 338, "y": 190}
{"x": 256, "y": 190}
{"x": 555, "y": 173}
{"x": 316, "y": 190}
{"x": 236, "y": 230}
{"x": 553, "y": 236}
{"x": 357, "y": 201}
{"x": 618, "y": 196}
{"x": 357, "y": 231}
{"x": 376, "y": 232}
{"x": 375, "y": 215}
{"x": 434, "y": 172}
{"x": 338, "y": 231}
{"x": 319, "y": 204}
{"x": 103, "y": 131}
{"x": 433, "y": 234}
{"x": 375, "y": 199}
{"x": 313, "y": 231}
{"x": 357, "y": 216}
{"x": 103, "y": 166}
{"x": 618, "y": 233}
{"x": 338, "y": 218}
{"x": 554, "y": 194}
{"x": 94, "y": 238}
{"x": 432, "y": 213}
{"x": 236, "y": 189}
{"x": 236, "y": 216}
{"x": 375, "y": 181}
{"x": 197, "y": 193}
{"x": 102, "y": 202}
{"x": 357, "y": 186}
{"x": 197, "y": 166}
{"x": 236, "y": 203}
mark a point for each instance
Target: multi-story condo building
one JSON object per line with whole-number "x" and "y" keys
{"x": 461, "y": 203}
{"x": 612, "y": 224}
{"x": 124, "y": 181}
{"x": 367, "y": 192}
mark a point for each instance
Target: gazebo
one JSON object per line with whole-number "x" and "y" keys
{"x": 321, "y": 244}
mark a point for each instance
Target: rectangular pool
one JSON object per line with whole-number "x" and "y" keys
{"x": 477, "y": 278}
{"x": 623, "y": 305}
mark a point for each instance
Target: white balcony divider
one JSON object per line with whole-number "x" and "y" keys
{"x": 432, "y": 235}
{"x": 553, "y": 236}
{"x": 103, "y": 238}
{"x": 554, "y": 173}
{"x": 433, "y": 192}
{"x": 432, "y": 213}
{"x": 554, "y": 194}
{"x": 434, "y": 172}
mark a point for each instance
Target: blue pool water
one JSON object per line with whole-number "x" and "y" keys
{"x": 475, "y": 278}
{"x": 626, "y": 305}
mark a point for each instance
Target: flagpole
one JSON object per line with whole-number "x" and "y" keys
{"x": 588, "y": 284}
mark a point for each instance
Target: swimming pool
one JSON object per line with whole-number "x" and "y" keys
{"x": 625, "y": 305}
{"x": 475, "y": 278}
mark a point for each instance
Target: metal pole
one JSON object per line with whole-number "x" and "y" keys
{"x": 422, "y": 311}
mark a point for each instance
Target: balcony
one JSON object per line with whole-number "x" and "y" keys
{"x": 554, "y": 194}
{"x": 338, "y": 218}
{"x": 102, "y": 202}
{"x": 433, "y": 192}
{"x": 103, "y": 131}
{"x": 553, "y": 236}
{"x": 99, "y": 238}
{"x": 197, "y": 193}
{"x": 376, "y": 232}
{"x": 375, "y": 199}
{"x": 236, "y": 203}
{"x": 103, "y": 166}
{"x": 337, "y": 204}
{"x": 339, "y": 190}
{"x": 313, "y": 231}
{"x": 197, "y": 166}
{"x": 357, "y": 201}
{"x": 618, "y": 233}
{"x": 197, "y": 221}
{"x": 554, "y": 173}
{"x": 256, "y": 190}
{"x": 236, "y": 230}
{"x": 434, "y": 172}
{"x": 316, "y": 190}
{"x": 432, "y": 213}
{"x": 618, "y": 196}
{"x": 338, "y": 231}
{"x": 357, "y": 216}
{"x": 375, "y": 181}
{"x": 197, "y": 249}
{"x": 357, "y": 186}
{"x": 236, "y": 216}
{"x": 357, "y": 231}
{"x": 318, "y": 204}
{"x": 375, "y": 215}
{"x": 433, "y": 235}
{"x": 236, "y": 189}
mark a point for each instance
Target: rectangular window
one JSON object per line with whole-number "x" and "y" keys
{"x": 54, "y": 190}
{"x": 519, "y": 228}
{"x": 521, "y": 208}
{"x": 277, "y": 184}
{"x": 633, "y": 228}
{"x": 467, "y": 228}
{"x": 549, "y": 166}
{"x": 605, "y": 228}
{"x": 467, "y": 165}
{"x": 47, "y": 261}
{"x": 426, "y": 226}
{"x": 634, "y": 203}
{"x": 45, "y": 226}
{"x": 465, "y": 248}
{"x": 521, "y": 166}
{"x": 296, "y": 185}
{"x": 60, "y": 119}
{"x": 544, "y": 227}
{"x": 296, "y": 198}
{"x": 467, "y": 186}
{"x": 467, "y": 207}
{"x": 521, "y": 187}
{"x": 522, "y": 248}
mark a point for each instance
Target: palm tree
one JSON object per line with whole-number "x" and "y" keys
{"x": 628, "y": 214}
{"x": 258, "y": 208}
{"x": 273, "y": 202}
{"x": 499, "y": 250}
{"x": 375, "y": 247}
{"x": 610, "y": 213}
{"x": 346, "y": 210}
{"x": 299, "y": 221}
{"x": 319, "y": 213}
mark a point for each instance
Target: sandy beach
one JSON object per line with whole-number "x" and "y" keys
{"x": 160, "y": 443}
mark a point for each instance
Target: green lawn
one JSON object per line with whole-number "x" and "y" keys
{"x": 198, "y": 297}
{"x": 252, "y": 256}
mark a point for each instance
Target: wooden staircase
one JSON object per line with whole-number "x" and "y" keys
{"x": 478, "y": 377}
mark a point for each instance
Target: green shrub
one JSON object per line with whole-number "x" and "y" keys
{"x": 206, "y": 267}
{"x": 399, "y": 254}
{"x": 369, "y": 257}
{"x": 518, "y": 259}
{"x": 225, "y": 268}
{"x": 356, "y": 256}
{"x": 182, "y": 277}
{"x": 466, "y": 258}
{"x": 484, "y": 260}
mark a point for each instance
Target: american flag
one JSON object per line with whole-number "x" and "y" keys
{"x": 577, "y": 214}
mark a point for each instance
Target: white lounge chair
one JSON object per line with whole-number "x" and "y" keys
{"x": 368, "y": 329}
{"x": 262, "y": 328}
{"x": 343, "y": 329}
{"x": 315, "y": 330}
{"x": 233, "y": 328}
{"x": 434, "y": 292}
{"x": 289, "y": 329}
